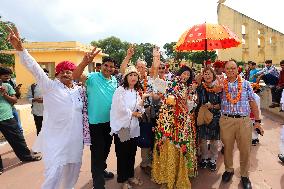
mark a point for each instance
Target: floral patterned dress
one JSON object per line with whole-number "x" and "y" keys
{"x": 174, "y": 155}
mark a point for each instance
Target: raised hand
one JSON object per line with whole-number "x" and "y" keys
{"x": 14, "y": 38}
{"x": 130, "y": 51}
{"x": 156, "y": 59}
{"x": 156, "y": 52}
{"x": 89, "y": 56}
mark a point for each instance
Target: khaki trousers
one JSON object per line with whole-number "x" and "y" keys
{"x": 239, "y": 130}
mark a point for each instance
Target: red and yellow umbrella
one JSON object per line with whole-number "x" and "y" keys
{"x": 206, "y": 36}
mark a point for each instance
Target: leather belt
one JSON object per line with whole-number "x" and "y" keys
{"x": 234, "y": 116}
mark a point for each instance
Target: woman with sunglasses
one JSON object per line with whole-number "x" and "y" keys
{"x": 174, "y": 153}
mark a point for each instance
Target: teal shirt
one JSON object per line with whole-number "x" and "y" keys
{"x": 5, "y": 106}
{"x": 99, "y": 91}
{"x": 251, "y": 75}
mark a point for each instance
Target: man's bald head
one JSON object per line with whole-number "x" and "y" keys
{"x": 141, "y": 67}
{"x": 231, "y": 69}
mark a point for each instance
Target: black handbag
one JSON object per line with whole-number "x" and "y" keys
{"x": 146, "y": 138}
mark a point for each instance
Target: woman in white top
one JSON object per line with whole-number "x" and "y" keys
{"x": 126, "y": 108}
{"x": 61, "y": 138}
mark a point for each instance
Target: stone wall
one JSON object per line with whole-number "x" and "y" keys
{"x": 265, "y": 101}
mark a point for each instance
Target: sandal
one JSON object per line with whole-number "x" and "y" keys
{"x": 126, "y": 185}
{"x": 33, "y": 158}
{"x": 135, "y": 181}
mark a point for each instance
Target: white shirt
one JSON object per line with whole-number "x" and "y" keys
{"x": 124, "y": 102}
{"x": 169, "y": 76}
{"x": 37, "y": 108}
{"x": 61, "y": 138}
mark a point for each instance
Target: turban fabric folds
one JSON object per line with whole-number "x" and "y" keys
{"x": 64, "y": 65}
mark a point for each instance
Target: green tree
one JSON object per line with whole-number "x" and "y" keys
{"x": 5, "y": 59}
{"x": 196, "y": 57}
{"x": 117, "y": 49}
{"x": 144, "y": 51}
{"x": 200, "y": 56}
{"x": 177, "y": 56}
{"x": 114, "y": 47}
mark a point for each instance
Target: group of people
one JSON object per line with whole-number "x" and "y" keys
{"x": 271, "y": 77}
{"x": 176, "y": 119}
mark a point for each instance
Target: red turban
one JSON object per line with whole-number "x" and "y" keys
{"x": 219, "y": 64}
{"x": 64, "y": 65}
{"x": 240, "y": 69}
{"x": 208, "y": 62}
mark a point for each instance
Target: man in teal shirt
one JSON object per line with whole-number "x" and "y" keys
{"x": 8, "y": 124}
{"x": 100, "y": 89}
{"x": 253, "y": 72}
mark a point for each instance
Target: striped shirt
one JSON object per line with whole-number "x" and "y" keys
{"x": 269, "y": 70}
{"x": 242, "y": 107}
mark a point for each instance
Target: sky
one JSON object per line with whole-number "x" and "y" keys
{"x": 135, "y": 21}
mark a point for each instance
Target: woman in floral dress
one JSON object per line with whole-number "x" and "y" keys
{"x": 174, "y": 154}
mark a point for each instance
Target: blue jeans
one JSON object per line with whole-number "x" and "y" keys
{"x": 16, "y": 116}
{"x": 270, "y": 79}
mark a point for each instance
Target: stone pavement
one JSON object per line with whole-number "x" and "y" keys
{"x": 266, "y": 171}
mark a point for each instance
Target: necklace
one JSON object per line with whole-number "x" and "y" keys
{"x": 211, "y": 90}
{"x": 145, "y": 85}
{"x": 228, "y": 95}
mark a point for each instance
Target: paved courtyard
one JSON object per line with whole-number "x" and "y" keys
{"x": 266, "y": 171}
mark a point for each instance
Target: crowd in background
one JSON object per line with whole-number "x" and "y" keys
{"x": 180, "y": 120}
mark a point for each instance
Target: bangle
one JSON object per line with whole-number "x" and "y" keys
{"x": 257, "y": 121}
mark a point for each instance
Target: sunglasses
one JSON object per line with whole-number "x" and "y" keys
{"x": 162, "y": 68}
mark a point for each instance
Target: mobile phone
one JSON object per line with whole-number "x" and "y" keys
{"x": 1, "y": 82}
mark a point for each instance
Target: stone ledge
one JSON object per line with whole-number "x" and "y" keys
{"x": 265, "y": 101}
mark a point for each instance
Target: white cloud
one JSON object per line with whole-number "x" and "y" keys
{"x": 155, "y": 21}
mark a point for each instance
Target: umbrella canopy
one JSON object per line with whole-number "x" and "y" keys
{"x": 205, "y": 37}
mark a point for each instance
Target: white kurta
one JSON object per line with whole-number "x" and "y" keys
{"x": 124, "y": 102}
{"x": 61, "y": 138}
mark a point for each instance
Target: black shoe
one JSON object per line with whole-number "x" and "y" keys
{"x": 32, "y": 158}
{"x": 212, "y": 166}
{"x": 246, "y": 183}
{"x": 203, "y": 164}
{"x": 227, "y": 176}
{"x": 274, "y": 105}
{"x": 281, "y": 157}
{"x": 108, "y": 175}
{"x": 254, "y": 142}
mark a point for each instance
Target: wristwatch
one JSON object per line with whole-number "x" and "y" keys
{"x": 257, "y": 121}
